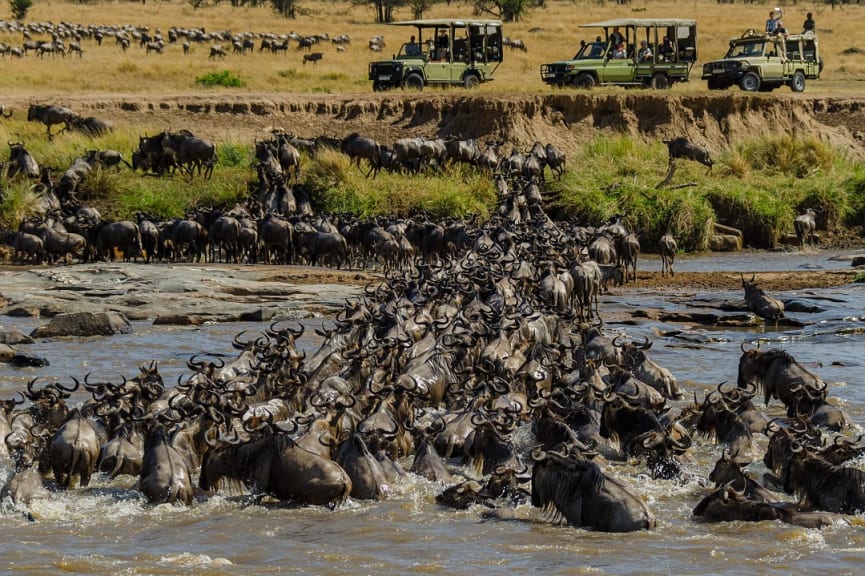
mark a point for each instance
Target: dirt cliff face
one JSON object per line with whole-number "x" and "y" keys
{"x": 566, "y": 119}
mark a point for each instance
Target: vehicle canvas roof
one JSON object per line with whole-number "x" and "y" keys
{"x": 431, "y": 22}
{"x": 647, "y": 22}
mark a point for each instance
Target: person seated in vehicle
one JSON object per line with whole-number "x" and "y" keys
{"x": 809, "y": 25}
{"x": 780, "y": 29}
{"x": 619, "y": 52}
{"x": 667, "y": 50}
{"x": 412, "y": 48}
{"x": 644, "y": 54}
{"x": 597, "y": 48}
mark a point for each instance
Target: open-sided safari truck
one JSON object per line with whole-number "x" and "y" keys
{"x": 671, "y": 42}
{"x": 444, "y": 51}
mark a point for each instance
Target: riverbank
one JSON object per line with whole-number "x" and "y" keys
{"x": 197, "y": 293}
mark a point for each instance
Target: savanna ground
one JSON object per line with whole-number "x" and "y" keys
{"x": 145, "y": 93}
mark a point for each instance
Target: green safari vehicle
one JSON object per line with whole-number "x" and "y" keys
{"x": 648, "y": 52}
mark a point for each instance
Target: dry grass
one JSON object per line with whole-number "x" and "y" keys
{"x": 554, "y": 35}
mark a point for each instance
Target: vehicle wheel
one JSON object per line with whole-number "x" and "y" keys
{"x": 797, "y": 83}
{"x": 717, "y": 84}
{"x": 471, "y": 81}
{"x": 750, "y": 82}
{"x": 414, "y": 81}
{"x": 660, "y": 82}
{"x": 584, "y": 81}
{"x": 378, "y": 87}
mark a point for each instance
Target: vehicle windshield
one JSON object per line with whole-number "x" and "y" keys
{"x": 591, "y": 50}
{"x": 746, "y": 49}
{"x": 410, "y": 49}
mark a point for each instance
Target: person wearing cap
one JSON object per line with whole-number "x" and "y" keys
{"x": 644, "y": 54}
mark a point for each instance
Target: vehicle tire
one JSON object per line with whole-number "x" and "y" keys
{"x": 414, "y": 81}
{"x": 471, "y": 81}
{"x": 750, "y": 82}
{"x": 584, "y": 81}
{"x": 378, "y": 87}
{"x": 797, "y": 83}
{"x": 660, "y": 82}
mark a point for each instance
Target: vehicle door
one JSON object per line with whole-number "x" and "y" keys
{"x": 774, "y": 64}
{"x": 438, "y": 67}
{"x": 460, "y": 56}
{"x": 616, "y": 70}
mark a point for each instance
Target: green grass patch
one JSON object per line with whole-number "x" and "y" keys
{"x": 225, "y": 78}
{"x": 341, "y": 187}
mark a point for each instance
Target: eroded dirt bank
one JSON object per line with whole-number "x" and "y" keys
{"x": 565, "y": 119}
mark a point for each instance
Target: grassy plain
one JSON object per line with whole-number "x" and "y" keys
{"x": 550, "y": 33}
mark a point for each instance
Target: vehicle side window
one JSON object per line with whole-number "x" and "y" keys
{"x": 461, "y": 52}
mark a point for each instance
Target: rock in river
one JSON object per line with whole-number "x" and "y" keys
{"x": 84, "y": 324}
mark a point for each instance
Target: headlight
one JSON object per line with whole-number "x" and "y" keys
{"x": 738, "y": 64}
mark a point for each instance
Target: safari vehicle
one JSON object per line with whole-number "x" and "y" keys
{"x": 445, "y": 52}
{"x": 671, "y": 41}
{"x": 761, "y": 62}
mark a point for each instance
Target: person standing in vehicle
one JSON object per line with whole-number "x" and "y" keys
{"x": 616, "y": 37}
{"x": 771, "y": 24}
{"x": 809, "y": 25}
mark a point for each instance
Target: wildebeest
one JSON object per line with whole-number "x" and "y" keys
{"x": 779, "y": 374}
{"x": 275, "y": 465}
{"x": 74, "y": 449}
{"x": 123, "y": 235}
{"x": 577, "y": 490}
{"x": 165, "y": 476}
{"x": 216, "y": 51}
{"x": 667, "y": 249}
{"x": 190, "y": 152}
{"x": 28, "y": 247}
{"x": 21, "y": 162}
{"x": 805, "y": 225}
{"x": 761, "y": 303}
{"x": 356, "y": 147}
{"x": 50, "y": 115}
{"x": 89, "y": 125}
{"x": 314, "y": 57}
{"x": 683, "y": 148}
{"x": 4, "y": 113}
{"x": 726, "y": 504}
{"x": 824, "y": 486}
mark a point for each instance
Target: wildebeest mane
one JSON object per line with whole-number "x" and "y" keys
{"x": 571, "y": 479}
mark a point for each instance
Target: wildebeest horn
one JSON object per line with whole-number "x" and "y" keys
{"x": 538, "y": 454}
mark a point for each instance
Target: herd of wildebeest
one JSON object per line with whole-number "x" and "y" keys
{"x": 476, "y": 333}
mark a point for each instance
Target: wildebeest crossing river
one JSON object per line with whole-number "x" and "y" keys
{"x": 108, "y": 528}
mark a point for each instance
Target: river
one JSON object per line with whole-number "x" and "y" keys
{"x": 108, "y": 528}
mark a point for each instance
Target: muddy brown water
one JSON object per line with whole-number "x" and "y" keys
{"x": 108, "y": 528}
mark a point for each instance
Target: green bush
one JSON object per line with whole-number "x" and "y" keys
{"x": 223, "y": 78}
{"x": 20, "y": 8}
